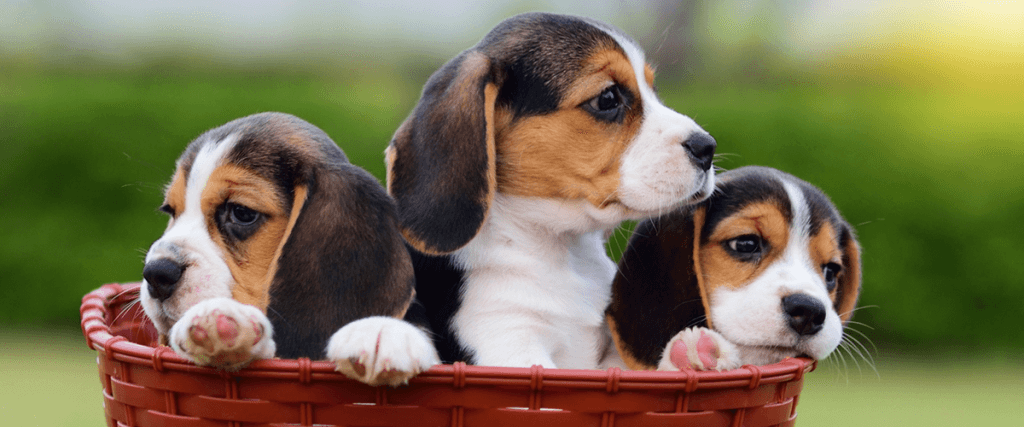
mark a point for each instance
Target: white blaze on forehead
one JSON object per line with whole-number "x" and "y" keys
{"x": 800, "y": 228}
{"x": 801, "y": 212}
{"x": 210, "y": 156}
{"x": 189, "y": 228}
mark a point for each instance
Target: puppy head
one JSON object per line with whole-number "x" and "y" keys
{"x": 264, "y": 210}
{"x": 545, "y": 106}
{"x": 779, "y": 266}
{"x": 767, "y": 261}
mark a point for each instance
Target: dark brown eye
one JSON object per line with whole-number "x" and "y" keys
{"x": 747, "y": 244}
{"x": 607, "y": 100}
{"x": 746, "y": 248}
{"x": 831, "y": 273}
{"x": 242, "y": 215}
{"x": 167, "y": 209}
{"x": 238, "y": 222}
{"x": 608, "y": 106}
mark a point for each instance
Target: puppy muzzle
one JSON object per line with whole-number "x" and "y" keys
{"x": 805, "y": 314}
{"x": 162, "y": 277}
{"x": 700, "y": 146}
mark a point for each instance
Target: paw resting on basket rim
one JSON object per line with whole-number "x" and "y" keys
{"x": 381, "y": 350}
{"x": 699, "y": 349}
{"x": 223, "y": 333}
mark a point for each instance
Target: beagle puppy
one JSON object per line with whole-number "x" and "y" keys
{"x": 278, "y": 246}
{"x": 764, "y": 269}
{"x": 523, "y": 152}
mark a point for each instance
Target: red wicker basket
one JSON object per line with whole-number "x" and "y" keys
{"x": 148, "y": 385}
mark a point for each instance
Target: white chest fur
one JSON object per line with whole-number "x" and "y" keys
{"x": 537, "y": 283}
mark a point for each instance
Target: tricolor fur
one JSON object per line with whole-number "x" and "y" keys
{"x": 275, "y": 242}
{"x": 764, "y": 269}
{"x": 523, "y": 151}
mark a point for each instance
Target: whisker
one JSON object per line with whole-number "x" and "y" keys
{"x": 869, "y": 222}
{"x": 279, "y": 316}
{"x": 863, "y": 307}
{"x": 697, "y": 321}
{"x": 686, "y": 302}
{"x": 866, "y": 338}
{"x": 125, "y": 292}
{"x": 126, "y": 308}
{"x": 852, "y": 352}
{"x": 851, "y": 322}
{"x": 845, "y": 345}
{"x": 846, "y": 368}
{"x": 863, "y": 351}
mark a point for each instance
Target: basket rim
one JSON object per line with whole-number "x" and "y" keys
{"x": 98, "y": 334}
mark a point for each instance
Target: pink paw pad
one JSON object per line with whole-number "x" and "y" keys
{"x": 678, "y": 355}
{"x": 258, "y": 328}
{"x": 200, "y": 335}
{"x": 227, "y": 329}
{"x": 708, "y": 351}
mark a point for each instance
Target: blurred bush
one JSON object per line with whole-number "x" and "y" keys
{"x": 930, "y": 178}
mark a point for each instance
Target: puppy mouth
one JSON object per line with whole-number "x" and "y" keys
{"x": 776, "y": 350}
{"x": 699, "y": 194}
{"x": 159, "y": 314}
{"x": 782, "y": 351}
{"x": 703, "y": 189}
{"x": 161, "y": 319}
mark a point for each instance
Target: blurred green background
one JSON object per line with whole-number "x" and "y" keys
{"x": 909, "y": 115}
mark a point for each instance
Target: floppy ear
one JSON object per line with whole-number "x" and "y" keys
{"x": 658, "y": 289}
{"x": 441, "y": 161}
{"x": 849, "y": 281}
{"x": 343, "y": 260}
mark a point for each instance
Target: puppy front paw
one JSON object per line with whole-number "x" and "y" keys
{"x": 381, "y": 350}
{"x": 224, "y": 334}
{"x": 699, "y": 349}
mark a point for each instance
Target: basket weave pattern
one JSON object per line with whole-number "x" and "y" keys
{"x": 149, "y": 385}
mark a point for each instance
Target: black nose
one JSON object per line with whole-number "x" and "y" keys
{"x": 162, "y": 276}
{"x": 806, "y": 314}
{"x": 701, "y": 147}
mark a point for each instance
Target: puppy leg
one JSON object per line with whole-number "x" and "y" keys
{"x": 699, "y": 349}
{"x": 224, "y": 334}
{"x": 381, "y": 350}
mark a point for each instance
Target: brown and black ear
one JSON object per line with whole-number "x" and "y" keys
{"x": 343, "y": 260}
{"x": 848, "y": 289}
{"x": 657, "y": 291}
{"x": 441, "y": 161}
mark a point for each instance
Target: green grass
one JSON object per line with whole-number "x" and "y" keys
{"x": 50, "y": 379}
{"x": 967, "y": 391}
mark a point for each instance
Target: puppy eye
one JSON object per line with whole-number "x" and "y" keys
{"x": 167, "y": 209}
{"x": 746, "y": 244}
{"x": 242, "y": 215}
{"x": 607, "y": 100}
{"x": 831, "y": 273}
{"x": 608, "y": 106}
{"x": 238, "y": 222}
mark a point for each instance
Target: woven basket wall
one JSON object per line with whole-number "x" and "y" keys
{"x": 148, "y": 385}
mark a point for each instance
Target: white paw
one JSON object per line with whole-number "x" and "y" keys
{"x": 224, "y": 334}
{"x": 381, "y": 350}
{"x": 699, "y": 349}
